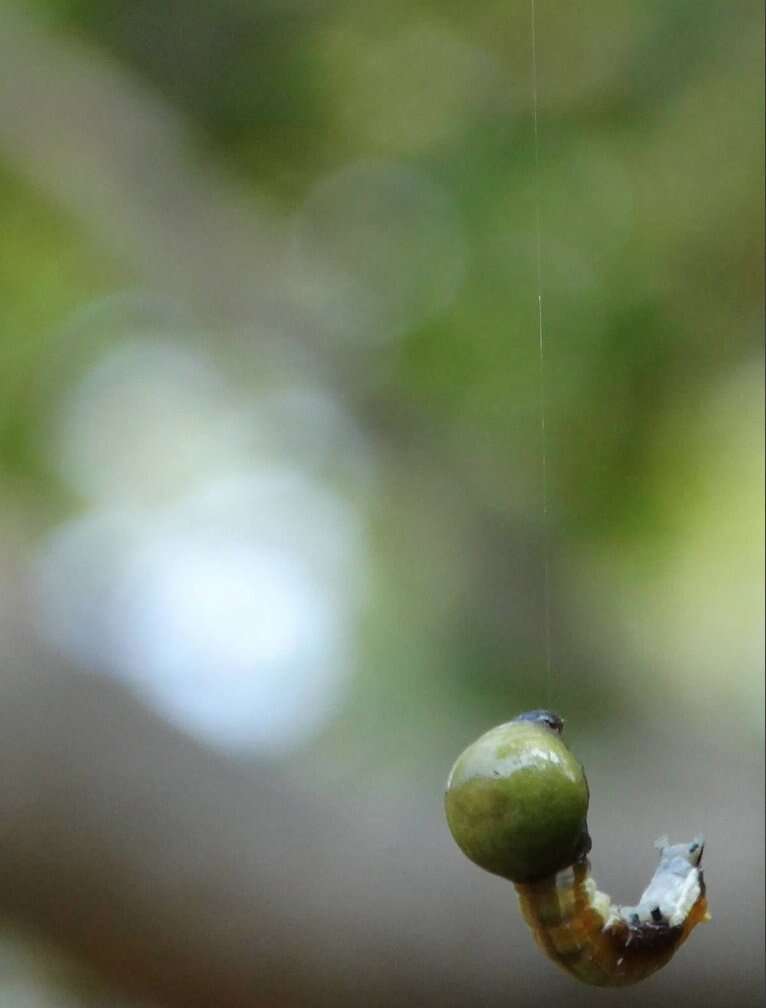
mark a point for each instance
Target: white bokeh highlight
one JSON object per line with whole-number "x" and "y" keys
{"x": 212, "y": 569}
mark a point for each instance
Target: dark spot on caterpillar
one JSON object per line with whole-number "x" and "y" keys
{"x": 584, "y": 847}
{"x": 656, "y": 914}
{"x": 648, "y": 936}
{"x": 635, "y": 919}
{"x": 693, "y": 847}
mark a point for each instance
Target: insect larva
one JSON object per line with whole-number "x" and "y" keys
{"x": 516, "y": 803}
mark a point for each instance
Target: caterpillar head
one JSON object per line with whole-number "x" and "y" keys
{"x": 517, "y": 800}
{"x": 544, "y": 718}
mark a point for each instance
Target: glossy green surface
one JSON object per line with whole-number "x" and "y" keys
{"x": 517, "y": 801}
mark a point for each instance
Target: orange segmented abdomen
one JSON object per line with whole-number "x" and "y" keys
{"x": 579, "y": 929}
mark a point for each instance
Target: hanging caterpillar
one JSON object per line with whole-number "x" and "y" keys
{"x": 516, "y": 804}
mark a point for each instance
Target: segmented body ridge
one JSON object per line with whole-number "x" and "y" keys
{"x": 585, "y": 934}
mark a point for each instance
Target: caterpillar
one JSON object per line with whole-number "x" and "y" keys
{"x": 516, "y": 803}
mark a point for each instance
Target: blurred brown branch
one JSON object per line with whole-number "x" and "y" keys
{"x": 178, "y": 875}
{"x": 109, "y": 151}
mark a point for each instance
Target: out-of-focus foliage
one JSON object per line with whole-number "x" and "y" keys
{"x": 270, "y": 430}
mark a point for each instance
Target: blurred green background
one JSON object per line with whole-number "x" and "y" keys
{"x": 270, "y": 431}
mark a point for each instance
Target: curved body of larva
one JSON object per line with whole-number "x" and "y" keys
{"x": 584, "y": 934}
{"x": 516, "y": 804}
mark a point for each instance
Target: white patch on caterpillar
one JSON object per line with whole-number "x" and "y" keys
{"x": 675, "y": 886}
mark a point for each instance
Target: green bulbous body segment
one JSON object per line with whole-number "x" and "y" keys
{"x": 517, "y": 802}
